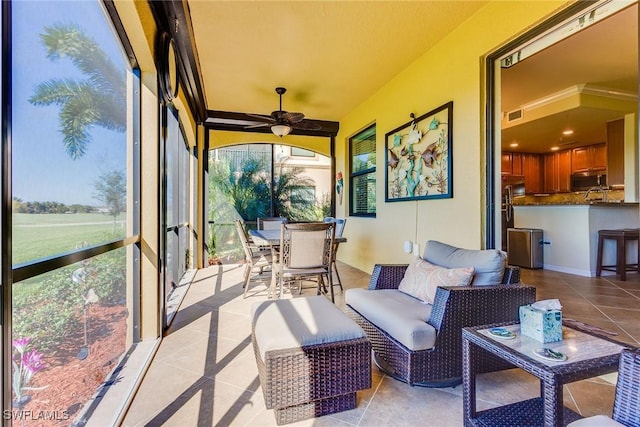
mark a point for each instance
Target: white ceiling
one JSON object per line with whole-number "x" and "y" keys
{"x": 330, "y": 55}
{"x": 604, "y": 55}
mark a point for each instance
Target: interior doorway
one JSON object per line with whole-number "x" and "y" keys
{"x": 587, "y": 52}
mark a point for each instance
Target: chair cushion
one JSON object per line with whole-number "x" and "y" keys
{"x": 595, "y": 421}
{"x": 489, "y": 264}
{"x": 421, "y": 279}
{"x": 400, "y": 315}
{"x": 300, "y": 322}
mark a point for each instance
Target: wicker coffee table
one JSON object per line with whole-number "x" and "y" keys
{"x": 588, "y": 356}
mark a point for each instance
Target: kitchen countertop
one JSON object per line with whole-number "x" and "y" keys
{"x": 592, "y": 203}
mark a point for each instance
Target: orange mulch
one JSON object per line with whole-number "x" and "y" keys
{"x": 70, "y": 382}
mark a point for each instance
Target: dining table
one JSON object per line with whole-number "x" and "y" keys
{"x": 271, "y": 238}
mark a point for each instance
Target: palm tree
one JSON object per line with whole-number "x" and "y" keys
{"x": 97, "y": 100}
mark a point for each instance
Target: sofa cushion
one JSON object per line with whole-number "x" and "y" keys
{"x": 596, "y": 421}
{"x": 489, "y": 264}
{"x": 421, "y": 279}
{"x": 400, "y": 315}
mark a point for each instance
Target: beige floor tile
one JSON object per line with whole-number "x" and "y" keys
{"x": 591, "y": 397}
{"x": 163, "y": 385}
{"x": 204, "y": 373}
{"x": 211, "y": 357}
{"x": 398, "y": 404}
{"x": 210, "y": 403}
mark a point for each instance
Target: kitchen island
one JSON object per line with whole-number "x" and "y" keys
{"x": 571, "y": 232}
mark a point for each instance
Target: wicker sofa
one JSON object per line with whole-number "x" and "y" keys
{"x": 421, "y": 344}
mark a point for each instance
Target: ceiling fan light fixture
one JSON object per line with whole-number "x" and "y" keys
{"x": 281, "y": 130}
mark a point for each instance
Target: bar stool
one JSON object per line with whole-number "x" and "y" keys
{"x": 621, "y": 236}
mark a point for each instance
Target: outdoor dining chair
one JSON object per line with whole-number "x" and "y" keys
{"x": 306, "y": 251}
{"x": 271, "y": 223}
{"x": 339, "y": 225}
{"x": 257, "y": 260}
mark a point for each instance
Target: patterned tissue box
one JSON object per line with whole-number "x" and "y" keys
{"x": 541, "y": 325}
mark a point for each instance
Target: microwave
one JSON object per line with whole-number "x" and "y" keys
{"x": 586, "y": 180}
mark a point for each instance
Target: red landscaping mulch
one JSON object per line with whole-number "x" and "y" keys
{"x": 70, "y": 382}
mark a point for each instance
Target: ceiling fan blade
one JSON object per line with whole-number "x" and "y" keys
{"x": 307, "y": 125}
{"x": 259, "y": 125}
{"x": 292, "y": 118}
{"x": 262, "y": 117}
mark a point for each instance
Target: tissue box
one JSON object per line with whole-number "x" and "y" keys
{"x": 543, "y": 326}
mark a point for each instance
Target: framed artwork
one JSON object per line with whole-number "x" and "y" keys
{"x": 418, "y": 157}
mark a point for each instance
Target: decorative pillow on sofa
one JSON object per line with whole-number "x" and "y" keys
{"x": 489, "y": 264}
{"x": 423, "y": 278}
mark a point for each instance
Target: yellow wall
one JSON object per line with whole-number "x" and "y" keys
{"x": 452, "y": 71}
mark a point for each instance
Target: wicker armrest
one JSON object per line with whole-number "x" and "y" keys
{"x": 627, "y": 398}
{"x": 387, "y": 276}
{"x": 511, "y": 275}
{"x": 458, "y": 307}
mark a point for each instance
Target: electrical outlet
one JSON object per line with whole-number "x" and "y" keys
{"x": 416, "y": 248}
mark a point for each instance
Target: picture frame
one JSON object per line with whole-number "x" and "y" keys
{"x": 418, "y": 157}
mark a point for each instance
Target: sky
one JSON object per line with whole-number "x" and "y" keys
{"x": 41, "y": 169}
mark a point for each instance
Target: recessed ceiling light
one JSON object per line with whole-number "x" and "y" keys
{"x": 555, "y": 148}
{"x": 513, "y": 144}
{"x": 567, "y": 132}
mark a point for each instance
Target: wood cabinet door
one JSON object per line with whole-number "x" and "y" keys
{"x": 516, "y": 163}
{"x": 506, "y": 167}
{"x": 592, "y": 157}
{"x": 599, "y": 157}
{"x": 532, "y": 173}
{"x": 564, "y": 170}
{"x": 550, "y": 173}
{"x": 580, "y": 159}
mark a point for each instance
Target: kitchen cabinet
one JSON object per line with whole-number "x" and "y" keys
{"x": 516, "y": 163}
{"x": 557, "y": 172}
{"x": 511, "y": 163}
{"x": 505, "y": 164}
{"x": 589, "y": 158}
{"x": 615, "y": 152}
{"x": 564, "y": 171}
{"x": 532, "y": 173}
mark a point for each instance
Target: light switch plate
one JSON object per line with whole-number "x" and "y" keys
{"x": 416, "y": 248}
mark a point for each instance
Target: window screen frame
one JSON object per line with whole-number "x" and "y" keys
{"x": 354, "y": 175}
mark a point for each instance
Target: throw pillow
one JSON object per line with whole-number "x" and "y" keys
{"x": 489, "y": 264}
{"x": 423, "y": 278}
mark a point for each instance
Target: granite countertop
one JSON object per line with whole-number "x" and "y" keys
{"x": 614, "y": 203}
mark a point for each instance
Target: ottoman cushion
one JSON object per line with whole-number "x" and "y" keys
{"x": 300, "y": 322}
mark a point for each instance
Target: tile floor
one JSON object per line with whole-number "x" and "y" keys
{"x": 204, "y": 373}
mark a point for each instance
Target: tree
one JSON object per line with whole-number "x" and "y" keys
{"x": 111, "y": 190}
{"x": 97, "y": 100}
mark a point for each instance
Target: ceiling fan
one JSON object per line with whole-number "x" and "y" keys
{"x": 283, "y": 122}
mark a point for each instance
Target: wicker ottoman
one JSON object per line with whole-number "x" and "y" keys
{"x": 312, "y": 358}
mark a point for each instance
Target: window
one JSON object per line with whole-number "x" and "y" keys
{"x": 362, "y": 150}
{"x": 303, "y": 195}
{"x": 256, "y": 180}
{"x": 301, "y": 152}
{"x": 73, "y": 200}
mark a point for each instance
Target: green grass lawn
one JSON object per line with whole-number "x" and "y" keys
{"x": 42, "y": 235}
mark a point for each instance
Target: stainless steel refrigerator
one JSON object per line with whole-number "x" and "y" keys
{"x": 513, "y": 186}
